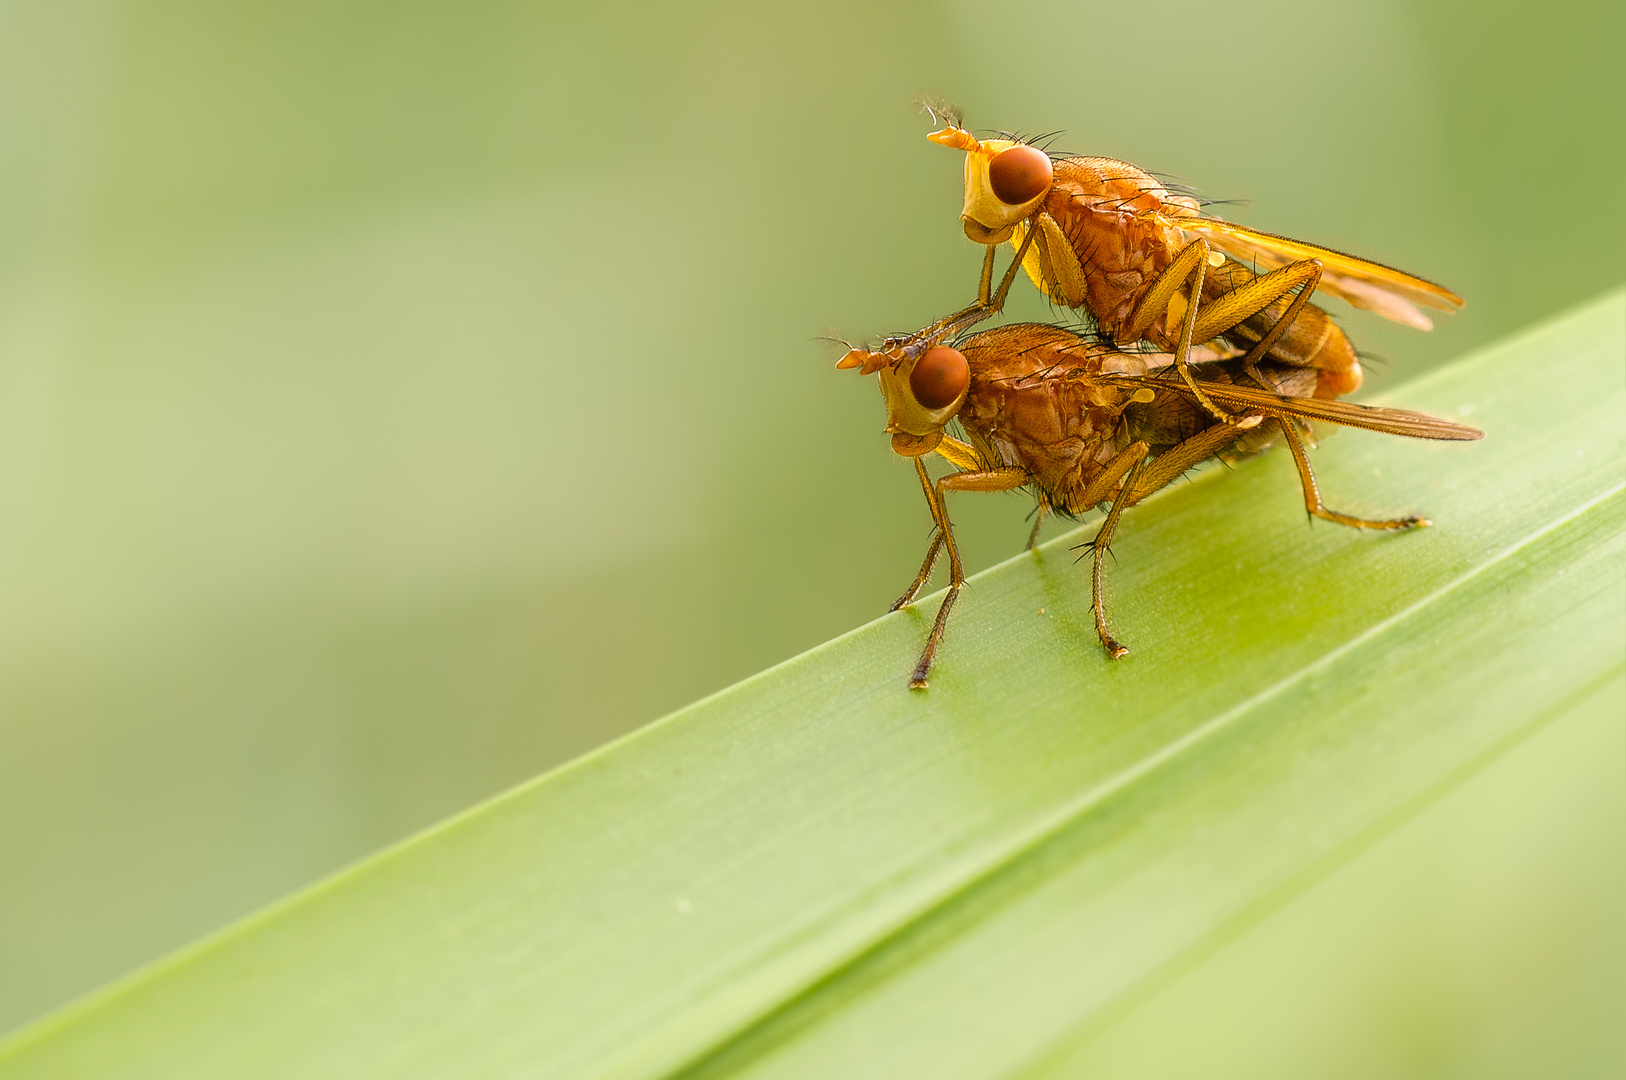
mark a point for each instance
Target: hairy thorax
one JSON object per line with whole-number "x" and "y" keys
{"x": 1106, "y": 209}
{"x": 1116, "y": 220}
{"x": 1039, "y": 407}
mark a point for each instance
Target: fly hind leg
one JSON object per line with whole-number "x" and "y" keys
{"x": 1191, "y": 264}
{"x": 1312, "y": 491}
{"x": 1204, "y": 322}
{"x": 1304, "y": 276}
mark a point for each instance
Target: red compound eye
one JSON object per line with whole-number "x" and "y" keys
{"x": 940, "y": 377}
{"x": 1019, "y": 174}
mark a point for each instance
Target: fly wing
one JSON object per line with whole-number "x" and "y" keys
{"x": 1391, "y": 293}
{"x": 1414, "y": 425}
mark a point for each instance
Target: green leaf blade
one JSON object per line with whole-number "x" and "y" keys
{"x": 817, "y": 872}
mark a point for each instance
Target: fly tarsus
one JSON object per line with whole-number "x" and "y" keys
{"x": 917, "y": 681}
{"x": 924, "y": 576}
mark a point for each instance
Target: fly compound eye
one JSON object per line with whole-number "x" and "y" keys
{"x": 940, "y": 377}
{"x": 1019, "y": 174}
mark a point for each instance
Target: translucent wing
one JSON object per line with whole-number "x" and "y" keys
{"x": 1414, "y": 425}
{"x": 1391, "y": 293}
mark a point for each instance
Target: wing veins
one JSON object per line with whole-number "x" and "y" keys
{"x": 1413, "y": 425}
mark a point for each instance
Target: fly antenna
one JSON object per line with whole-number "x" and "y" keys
{"x": 941, "y": 110}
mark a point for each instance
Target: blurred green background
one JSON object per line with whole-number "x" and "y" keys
{"x": 398, "y": 399}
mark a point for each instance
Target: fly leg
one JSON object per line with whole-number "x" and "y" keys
{"x": 1120, "y": 468}
{"x": 1038, "y": 522}
{"x": 976, "y": 312}
{"x": 979, "y": 480}
{"x": 987, "y": 304}
{"x": 1204, "y": 322}
{"x": 1168, "y": 466}
{"x": 1312, "y": 491}
{"x": 1191, "y": 264}
{"x": 1304, "y": 276}
{"x": 962, "y": 456}
{"x": 925, "y": 574}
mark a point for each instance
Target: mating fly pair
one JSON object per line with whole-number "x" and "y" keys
{"x": 1236, "y": 359}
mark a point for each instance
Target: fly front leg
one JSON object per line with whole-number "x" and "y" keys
{"x": 925, "y": 574}
{"x": 962, "y": 456}
{"x": 1004, "y": 479}
{"x": 967, "y": 317}
{"x": 1312, "y": 491}
{"x": 985, "y": 285}
{"x": 986, "y": 305}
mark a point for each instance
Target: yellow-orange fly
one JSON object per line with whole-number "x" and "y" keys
{"x": 1148, "y": 264}
{"x": 1084, "y": 424}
